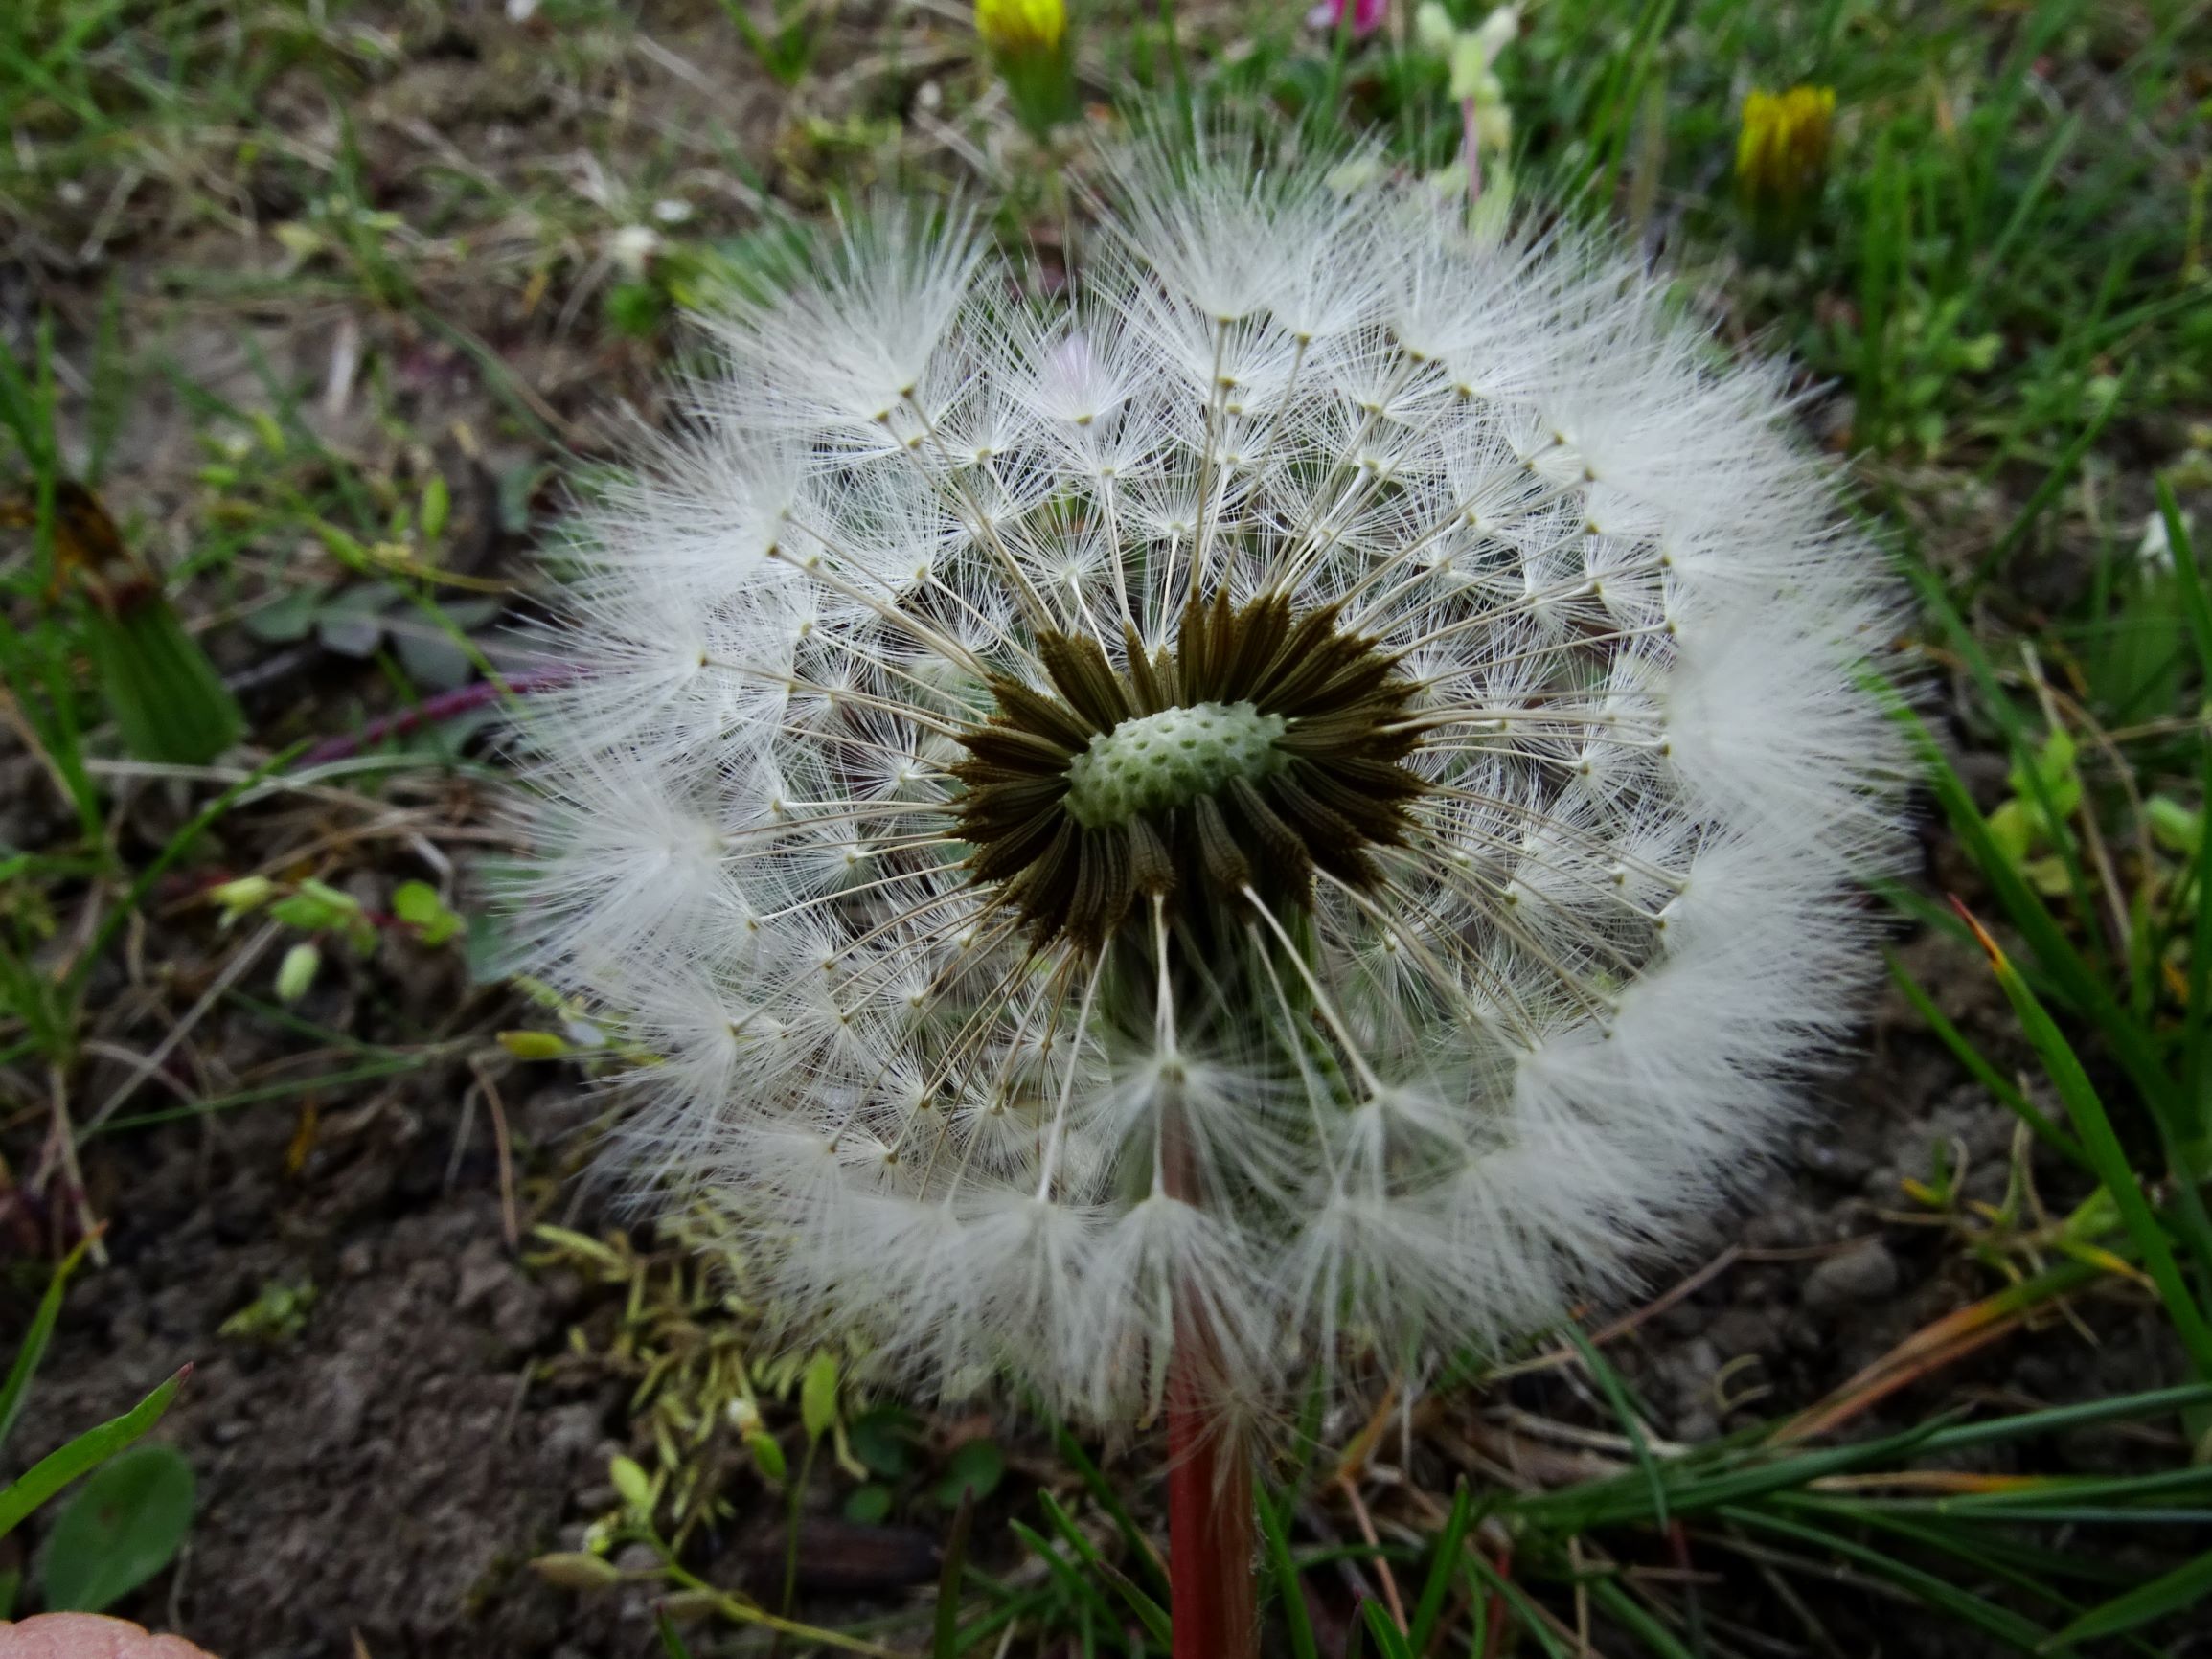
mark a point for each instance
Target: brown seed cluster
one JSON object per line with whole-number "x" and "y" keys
{"x": 1335, "y": 790}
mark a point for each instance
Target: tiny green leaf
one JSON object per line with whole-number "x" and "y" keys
{"x": 768, "y": 1453}
{"x": 417, "y": 903}
{"x": 975, "y": 1467}
{"x": 868, "y": 1505}
{"x": 883, "y": 1439}
{"x": 632, "y": 1481}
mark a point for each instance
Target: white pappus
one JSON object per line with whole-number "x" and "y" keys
{"x": 1305, "y": 789}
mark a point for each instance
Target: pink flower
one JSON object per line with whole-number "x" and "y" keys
{"x": 88, "y": 1636}
{"x": 1366, "y": 16}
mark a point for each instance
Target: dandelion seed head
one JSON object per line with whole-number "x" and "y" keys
{"x": 1315, "y": 782}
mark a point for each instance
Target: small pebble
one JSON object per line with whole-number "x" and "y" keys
{"x": 1863, "y": 1273}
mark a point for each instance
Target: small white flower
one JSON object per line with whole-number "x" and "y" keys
{"x": 1308, "y": 788}
{"x": 632, "y": 247}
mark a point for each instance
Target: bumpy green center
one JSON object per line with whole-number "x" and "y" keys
{"x": 1152, "y": 763}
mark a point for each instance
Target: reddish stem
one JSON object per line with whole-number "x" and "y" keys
{"x": 1209, "y": 1519}
{"x": 1210, "y": 1582}
{"x": 430, "y": 711}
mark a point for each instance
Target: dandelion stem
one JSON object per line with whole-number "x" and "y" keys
{"x": 1215, "y": 1602}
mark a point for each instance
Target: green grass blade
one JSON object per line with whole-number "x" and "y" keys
{"x": 2195, "y": 606}
{"x": 1619, "y": 1500}
{"x": 2108, "y": 1158}
{"x": 1388, "y": 1642}
{"x": 2185, "y": 1587}
{"x": 1444, "y": 1570}
{"x": 2055, "y": 955}
{"x": 1110, "y": 1501}
{"x": 1081, "y": 1593}
{"x": 1935, "y": 1591}
{"x": 1513, "y": 1596}
{"x": 672, "y": 1644}
{"x": 1987, "y": 1075}
{"x": 944, "y": 1627}
{"x": 1149, "y": 1613}
{"x": 2065, "y": 1418}
{"x": 1637, "y": 1619}
{"x": 158, "y": 866}
{"x": 1960, "y": 1541}
{"x": 2054, "y": 481}
{"x": 83, "y": 1454}
{"x": 17, "y": 1388}
{"x": 1285, "y": 1573}
{"x": 1616, "y": 1395}
{"x": 2189, "y": 582}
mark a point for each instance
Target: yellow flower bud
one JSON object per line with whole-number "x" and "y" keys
{"x": 1782, "y": 163}
{"x": 1029, "y": 46}
{"x": 1781, "y": 153}
{"x": 1021, "y": 26}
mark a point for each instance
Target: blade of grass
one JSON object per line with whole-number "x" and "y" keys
{"x": 1388, "y": 1642}
{"x": 2129, "y": 1042}
{"x": 390, "y": 1066}
{"x": 1638, "y": 1620}
{"x": 1937, "y": 1344}
{"x": 2061, "y": 473}
{"x": 2105, "y": 1153}
{"x": 2189, "y": 582}
{"x": 1963, "y": 1543}
{"x": 80, "y": 970}
{"x": 1444, "y": 1570}
{"x": 1149, "y": 1613}
{"x": 1617, "y": 1398}
{"x": 1285, "y": 1572}
{"x": 1742, "y": 1474}
{"x": 1083, "y": 1592}
{"x": 946, "y": 1626}
{"x": 1523, "y": 1609}
{"x": 2185, "y": 1587}
{"x": 17, "y": 1388}
{"x": 1110, "y": 1501}
{"x": 672, "y": 1644}
{"x": 83, "y": 1454}
{"x": 1988, "y": 1075}
{"x": 2066, "y": 1418}
{"x": 1925, "y": 1586}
